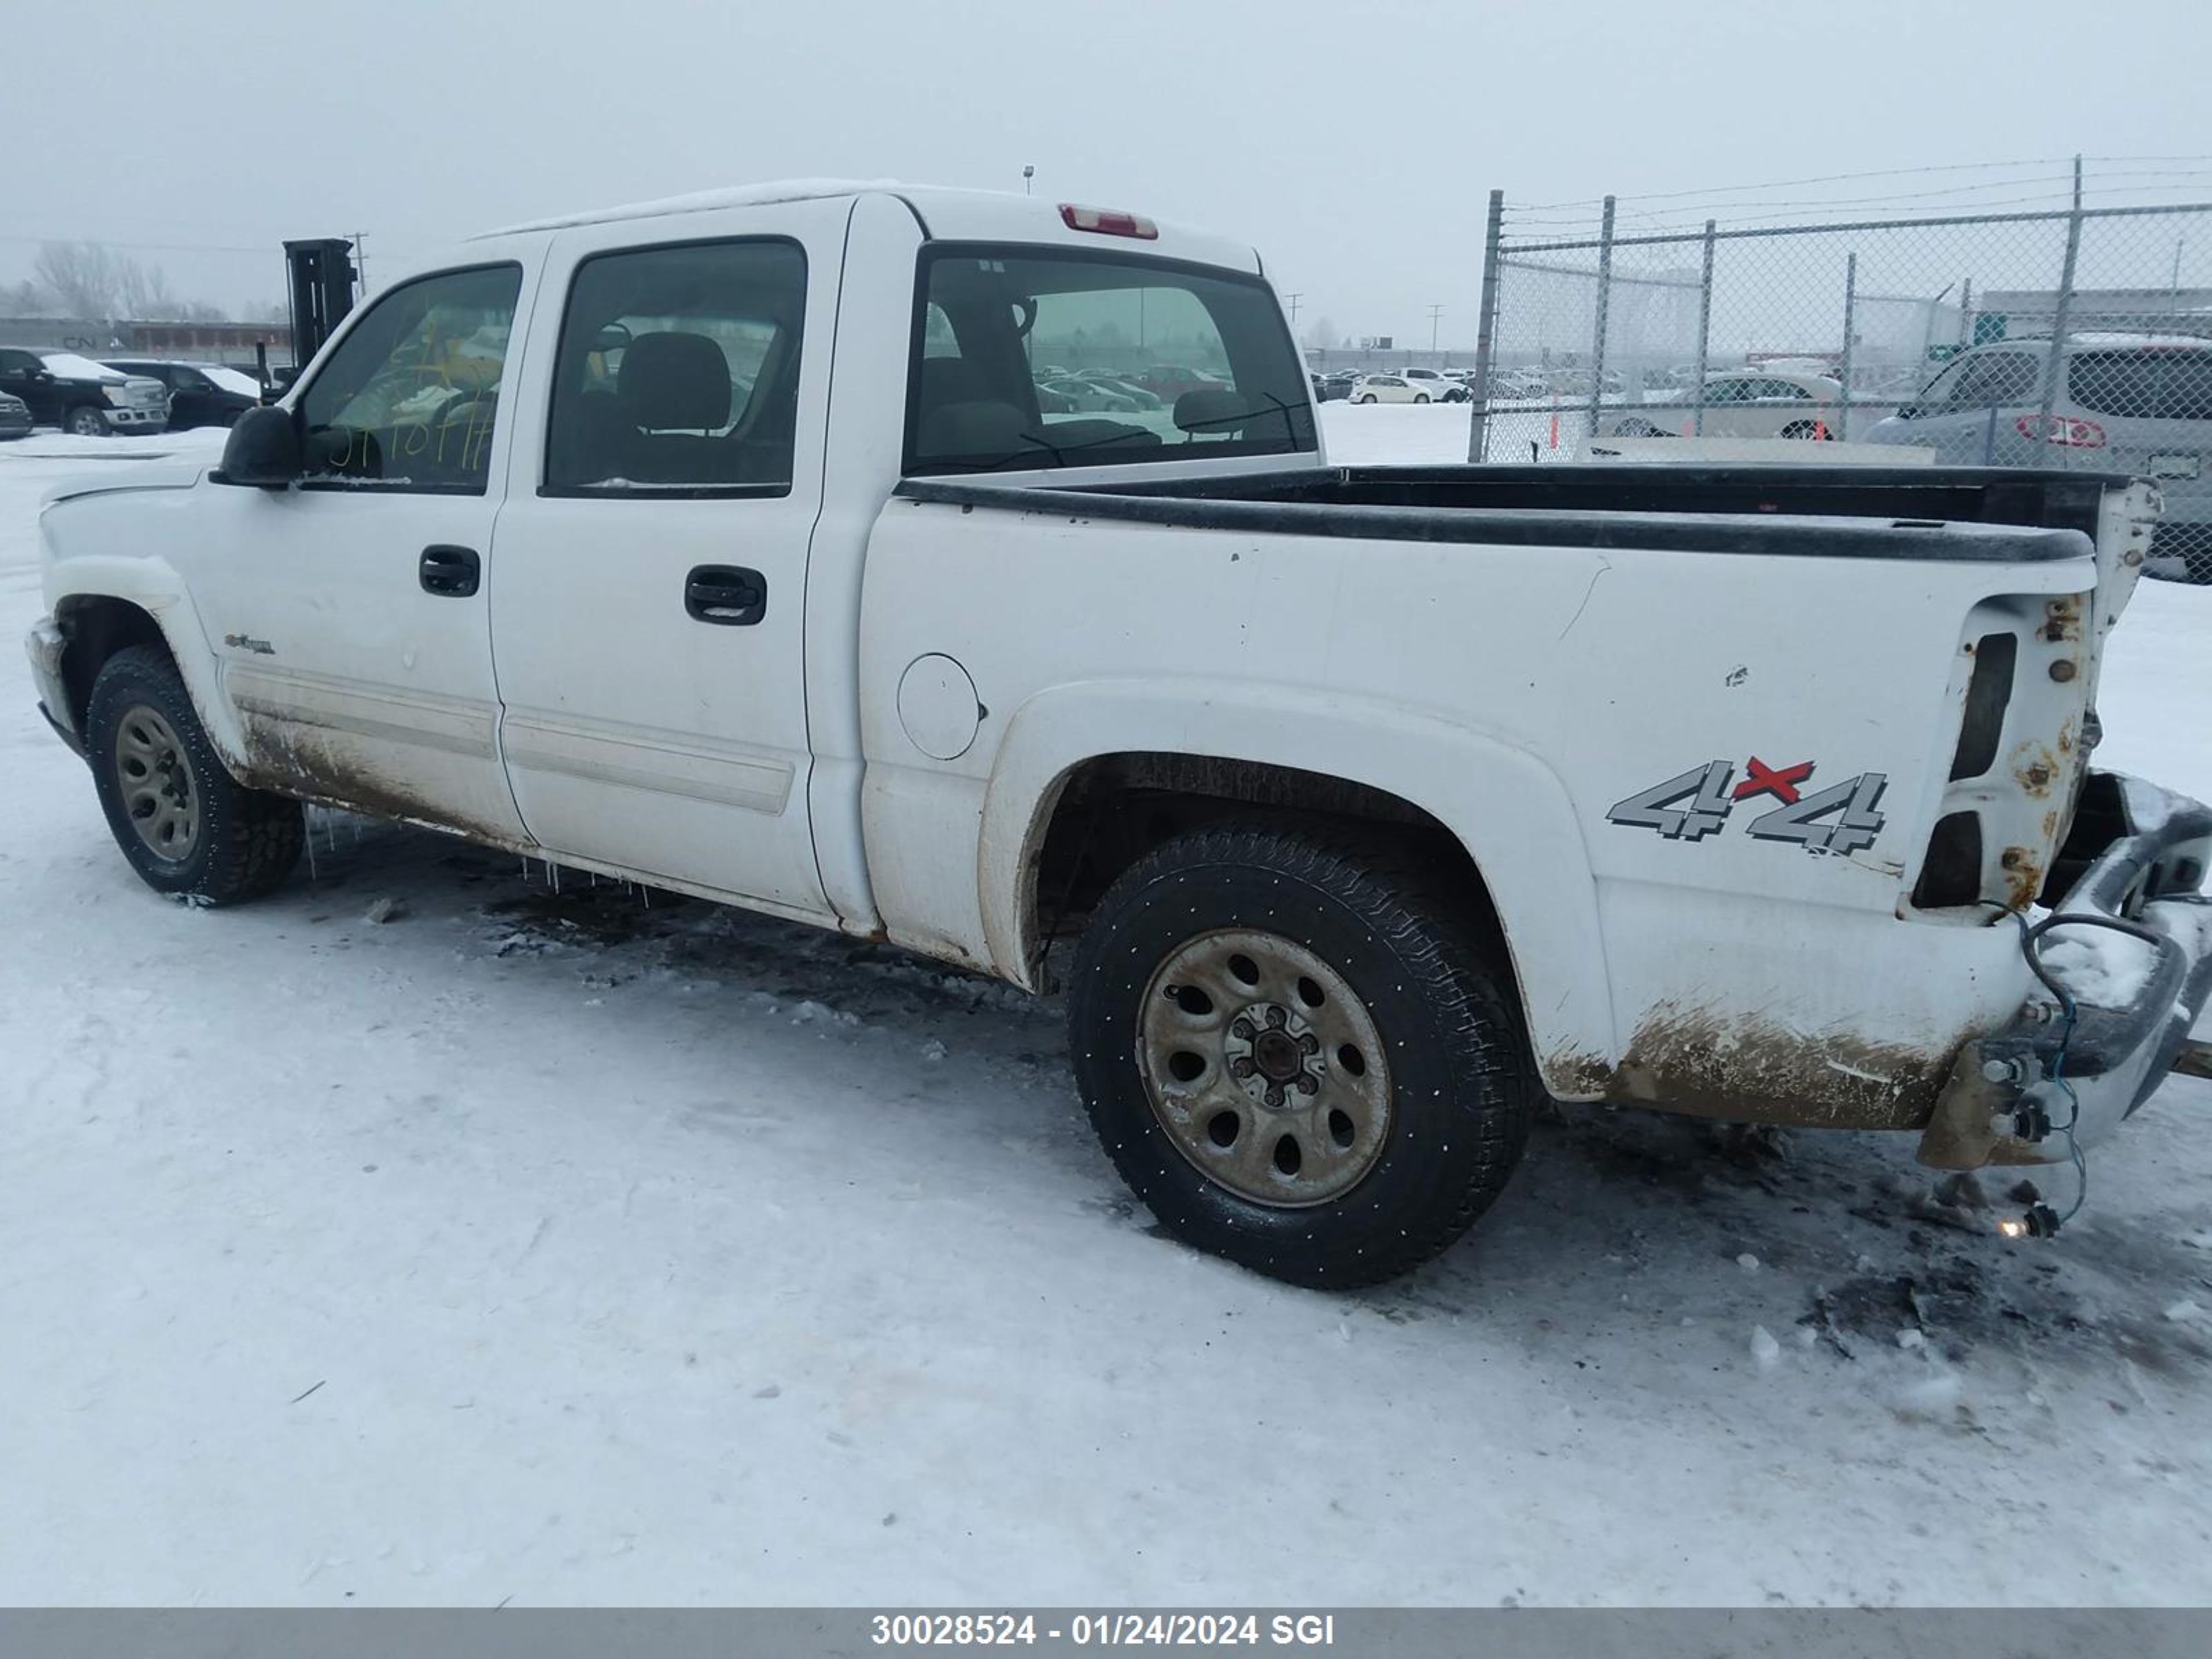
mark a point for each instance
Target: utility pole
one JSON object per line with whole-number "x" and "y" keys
{"x": 1028, "y": 173}
{"x": 1434, "y": 311}
{"x": 361, "y": 258}
{"x": 1292, "y": 301}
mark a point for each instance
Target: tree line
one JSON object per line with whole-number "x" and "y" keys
{"x": 92, "y": 280}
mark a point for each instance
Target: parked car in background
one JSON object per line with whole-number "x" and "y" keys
{"x": 15, "y": 416}
{"x": 1169, "y": 381}
{"x": 1517, "y": 384}
{"x": 1336, "y": 387}
{"x": 81, "y": 395}
{"x": 1389, "y": 389}
{"x": 1441, "y": 387}
{"x": 1740, "y": 404}
{"x": 2127, "y": 403}
{"x": 1094, "y": 396}
{"x": 196, "y": 397}
{"x": 1049, "y": 402}
{"x": 1139, "y": 397}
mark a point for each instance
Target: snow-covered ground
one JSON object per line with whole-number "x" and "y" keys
{"x": 563, "y": 1246}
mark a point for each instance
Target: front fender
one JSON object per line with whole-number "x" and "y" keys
{"x": 1508, "y": 809}
{"x": 86, "y": 561}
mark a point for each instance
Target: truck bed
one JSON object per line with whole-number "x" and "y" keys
{"x": 1842, "y": 512}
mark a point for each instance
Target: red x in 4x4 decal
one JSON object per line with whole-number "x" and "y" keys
{"x": 1781, "y": 782}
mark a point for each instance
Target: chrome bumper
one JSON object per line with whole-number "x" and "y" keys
{"x": 2118, "y": 1050}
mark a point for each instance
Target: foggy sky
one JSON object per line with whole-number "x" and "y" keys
{"x": 1355, "y": 144}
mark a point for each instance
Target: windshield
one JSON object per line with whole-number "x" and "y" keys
{"x": 1005, "y": 339}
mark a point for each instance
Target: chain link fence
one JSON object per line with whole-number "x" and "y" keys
{"x": 2062, "y": 337}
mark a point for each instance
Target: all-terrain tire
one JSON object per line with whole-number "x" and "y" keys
{"x": 85, "y": 421}
{"x": 244, "y": 841}
{"x": 1461, "y": 1084}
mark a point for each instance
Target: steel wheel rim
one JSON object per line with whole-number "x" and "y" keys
{"x": 1264, "y": 1068}
{"x": 155, "y": 782}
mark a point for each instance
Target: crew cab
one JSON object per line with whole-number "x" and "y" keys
{"x": 79, "y": 396}
{"x": 722, "y": 544}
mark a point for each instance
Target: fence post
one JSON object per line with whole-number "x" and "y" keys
{"x": 1844, "y": 365}
{"x": 2065, "y": 303}
{"x": 1604, "y": 296}
{"x": 1705, "y": 333}
{"x": 1477, "y": 434}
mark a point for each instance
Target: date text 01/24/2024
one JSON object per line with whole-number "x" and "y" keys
{"x": 1105, "y": 1629}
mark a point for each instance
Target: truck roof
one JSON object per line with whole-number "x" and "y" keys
{"x": 945, "y": 213}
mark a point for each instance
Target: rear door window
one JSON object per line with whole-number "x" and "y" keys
{"x": 2168, "y": 384}
{"x": 678, "y": 372}
{"x": 1205, "y": 351}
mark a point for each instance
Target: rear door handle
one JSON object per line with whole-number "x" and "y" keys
{"x": 727, "y": 594}
{"x": 452, "y": 572}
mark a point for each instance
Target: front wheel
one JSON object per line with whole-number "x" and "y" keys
{"x": 1298, "y": 1053}
{"x": 1365, "y": 397}
{"x": 86, "y": 422}
{"x": 187, "y": 827}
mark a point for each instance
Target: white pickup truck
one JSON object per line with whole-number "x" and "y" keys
{"x": 722, "y": 542}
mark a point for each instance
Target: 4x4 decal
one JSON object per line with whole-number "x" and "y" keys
{"x": 1845, "y": 818}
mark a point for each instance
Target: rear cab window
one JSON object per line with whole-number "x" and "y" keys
{"x": 1026, "y": 358}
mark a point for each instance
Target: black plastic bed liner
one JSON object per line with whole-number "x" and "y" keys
{"x": 1958, "y": 513}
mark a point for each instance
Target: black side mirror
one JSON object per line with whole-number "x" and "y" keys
{"x": 263, "y": 449}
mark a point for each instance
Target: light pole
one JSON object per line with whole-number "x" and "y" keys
{"x": 1434, "y": 311}
{"x": 1028, "y": 173}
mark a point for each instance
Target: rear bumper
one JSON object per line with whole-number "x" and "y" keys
{"x": 2128, "y": 1028}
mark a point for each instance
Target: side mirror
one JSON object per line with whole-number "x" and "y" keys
{"x": 263, "y": 449}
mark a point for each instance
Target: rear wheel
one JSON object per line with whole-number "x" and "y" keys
{"x": 187, "y": 827}
{"x": 1811, "y": 429}
{"x": 86, "y": 422}
{"x": 1420, "y": 396}
{"x": 1297, "y": 1055}
{"x": 1365, "y": 397}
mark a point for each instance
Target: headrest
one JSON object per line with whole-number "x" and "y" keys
{"x": 674, "y": 382}
{"x": 1212, "y": 411}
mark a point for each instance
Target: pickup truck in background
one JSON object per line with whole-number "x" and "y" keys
{"x": 722, "y": 544}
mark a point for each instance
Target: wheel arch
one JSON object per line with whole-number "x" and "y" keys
{"x": 1152, "y": 755}
{"x": 98, "y": 623}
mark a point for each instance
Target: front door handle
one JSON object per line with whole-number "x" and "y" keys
{"x": 727, "y": 594}
{"x": 452, "y": 572}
